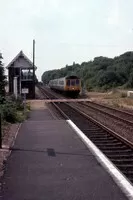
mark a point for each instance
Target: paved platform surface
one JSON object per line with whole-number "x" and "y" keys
{"x": 49, "y": 162}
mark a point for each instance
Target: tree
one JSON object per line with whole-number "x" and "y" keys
{"x": 100, "y": 73}
{"x": 2, "y": 79}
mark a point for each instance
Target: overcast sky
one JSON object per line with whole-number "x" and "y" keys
{"x": 65, "y": 30}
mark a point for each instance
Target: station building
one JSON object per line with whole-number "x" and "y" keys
{"x": 20, "y": 76}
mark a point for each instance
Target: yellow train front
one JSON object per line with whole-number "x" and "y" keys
{"x": 72, "y": 85}
{"x": 69, "y": 85}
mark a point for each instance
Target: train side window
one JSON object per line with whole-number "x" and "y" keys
{"x": 68, "y": 82}
{"x": 77, "y": 82}
{"x": 61, "y": 82}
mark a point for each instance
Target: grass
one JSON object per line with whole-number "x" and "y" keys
{"x": 120, "y": 99}
{"x": 116, "y": 98}
{"x": 128, "y": 101}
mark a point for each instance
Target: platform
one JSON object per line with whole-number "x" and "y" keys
{"x": 50, "y": 162}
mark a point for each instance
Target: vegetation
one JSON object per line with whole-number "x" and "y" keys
{"x": 2, "y": 80}
{"x": 12, "y": 110}
{"x": 100, "y": 74}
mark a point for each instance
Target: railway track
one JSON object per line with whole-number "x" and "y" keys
{"x": 116, "y": 148}
{"x": 116, "y": 113}
{"x": 123, "y": 126}
{"x": 54, "y": 95}
{"x": 47, "y": 94}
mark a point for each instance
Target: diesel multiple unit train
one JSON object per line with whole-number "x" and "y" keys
{"x": 69, "y": 85}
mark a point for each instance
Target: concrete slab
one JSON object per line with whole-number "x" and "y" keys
{"x": 37, "y": 104}
{"x": 49, "y": 162}
{"x": 41, "y": 115}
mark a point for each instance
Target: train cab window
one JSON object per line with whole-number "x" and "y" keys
{"x": 68, "y": 82}
{"x": 77, "y": 82}
{"x": 72, "y": 82}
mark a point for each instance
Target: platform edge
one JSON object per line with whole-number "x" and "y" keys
{"x": 117, "y": 176}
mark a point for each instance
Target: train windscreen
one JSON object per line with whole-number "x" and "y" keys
{"x": 77, "y": 82}
{"x": 72, "y": 82}
{"x": 68, "y": 82}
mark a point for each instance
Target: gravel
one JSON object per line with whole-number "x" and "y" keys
{"x": 9, "y": 133}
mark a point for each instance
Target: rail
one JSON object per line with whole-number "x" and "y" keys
{"x": 109, "y": 114}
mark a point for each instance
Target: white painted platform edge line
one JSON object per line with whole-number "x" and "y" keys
{"x": 17, "y": 130}
{"x": 118, "y": 177}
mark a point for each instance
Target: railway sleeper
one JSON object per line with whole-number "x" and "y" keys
{"x": 97, "y": 134}
{"x": 114, "y": 148}
{"x": 110, "y": 137}
{"x": 94, "y": 131}
{"x": 122, "y": 156}
{"x": 122, "y": 151}
{"x": 122, "y": 161}
{"x": 104, "y": 135}
{"x": 98, "y": 139}
{"x": 125, "y": 167}
{"x": 111, "y": 145}
{"x": 128, "y": 173}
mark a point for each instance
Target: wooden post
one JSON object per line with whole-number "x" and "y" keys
{"x": 33, "y": 69}
{"x": 15, "y": 88}
{"x": 24, "y": 103}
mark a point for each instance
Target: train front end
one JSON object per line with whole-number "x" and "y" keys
{"x": 72, "y": 86}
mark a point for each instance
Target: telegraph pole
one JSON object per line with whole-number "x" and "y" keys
{"x": 33, "y": 69}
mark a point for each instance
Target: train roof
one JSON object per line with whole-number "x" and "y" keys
{"x": 71, "y": 77}
{"x": 66, "y": 77}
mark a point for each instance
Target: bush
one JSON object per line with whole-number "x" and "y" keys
{"x": 20, "y": 116}
{"x": 8, "y": 111}
{"x": 28, "y": 106}
{"x": 18, "y": 102}
{"x": 2, "y": 99}
{"x": 12, "y": 110}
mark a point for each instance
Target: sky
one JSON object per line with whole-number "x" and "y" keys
{"x": 65, "y": 31}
